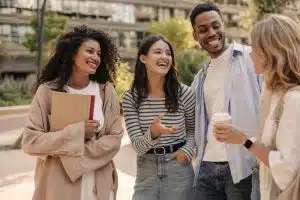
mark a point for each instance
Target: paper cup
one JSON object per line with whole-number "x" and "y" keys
{"x": 221, "y": 118}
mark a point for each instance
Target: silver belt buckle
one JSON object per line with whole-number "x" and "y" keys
{"x": 160, "y": 151}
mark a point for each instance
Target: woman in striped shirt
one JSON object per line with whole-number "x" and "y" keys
{"x": 159, "y": 115}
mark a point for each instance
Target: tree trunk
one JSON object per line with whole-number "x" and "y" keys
{"x": 40, "y": 39}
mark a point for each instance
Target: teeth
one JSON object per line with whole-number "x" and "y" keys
{"x": 92, "y": 64}
{"x": 213, "y": 42}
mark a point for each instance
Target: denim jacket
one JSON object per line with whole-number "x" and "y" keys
{"x": 242, "y": 91}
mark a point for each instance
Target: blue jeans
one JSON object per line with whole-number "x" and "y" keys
{"x": 162, "y": 178}
{"x": 215, "y": 183}
{"x": 255, "y": 195}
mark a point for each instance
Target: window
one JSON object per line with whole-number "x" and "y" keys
{"x": 219, "y": 1}
{"x": 7, "y": 3}
{"x": 15, "y": 33}
{"x": 172, "y": 12}
{"x": 187, "y": 13}
{"x": 67, "y": 6}
{"x": 7, "y": 10}
{"x": 234, "y": 2}
{"x": 5, "y": 32}
{"x": 122, "y": 40}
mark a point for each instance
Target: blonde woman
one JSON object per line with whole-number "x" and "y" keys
{"x": 275, "y": 53}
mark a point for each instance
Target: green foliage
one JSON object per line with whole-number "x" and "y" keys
{"x": 258, "y": 8}
{"x": 16, "y": 92}
{"x": 189, "y": 62}
{"x": 54, "y": 26}
{"x": 270, "y": 6}
{"x": 123, "y": 79}
{"x": 177, "y": 30}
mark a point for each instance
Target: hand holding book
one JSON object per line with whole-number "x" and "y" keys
{"x": 91, "y": 128}
{"x": 73, "y": 108}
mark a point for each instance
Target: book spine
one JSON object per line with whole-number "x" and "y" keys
{"x": 92, "y": 105}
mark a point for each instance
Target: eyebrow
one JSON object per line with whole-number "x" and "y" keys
{"x": 160, "y": 49}
{"x": 92, "y": 48}
{"x": 204, "y": 25}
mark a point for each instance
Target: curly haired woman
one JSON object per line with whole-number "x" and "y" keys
{"x": 75, "y": 163}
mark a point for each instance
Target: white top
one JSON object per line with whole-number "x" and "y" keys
{"x": 88, "y": 179}
{"x": 285, "y": 161}
{"x": 214, "y": 96}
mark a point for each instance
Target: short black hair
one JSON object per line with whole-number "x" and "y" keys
{"x": 201, "y": 8}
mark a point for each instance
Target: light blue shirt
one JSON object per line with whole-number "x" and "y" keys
{"x": 242, "y": 90}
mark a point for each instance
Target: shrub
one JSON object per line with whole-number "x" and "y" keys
{"x": 123, "y": 79}
{"x": 15, "y": 92}
{"x": 189, "y": 62}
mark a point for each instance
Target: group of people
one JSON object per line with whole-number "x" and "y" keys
{"x": 170, "y": 125}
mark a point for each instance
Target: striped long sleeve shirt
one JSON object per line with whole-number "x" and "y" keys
{"x": 138, "y": 122}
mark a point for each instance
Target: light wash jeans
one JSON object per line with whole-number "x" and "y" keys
{"x": 162, "y": 178}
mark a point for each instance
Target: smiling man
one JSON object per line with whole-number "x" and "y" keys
{"x": 227, "y": 84}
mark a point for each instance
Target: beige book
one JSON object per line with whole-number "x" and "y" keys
{"x": 68, "y": 108}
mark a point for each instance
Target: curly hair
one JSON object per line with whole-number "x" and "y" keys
{"x": 60, "y": 66}
{"x": 140, "y": 87}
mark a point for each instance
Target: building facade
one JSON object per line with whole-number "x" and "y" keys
{"x": 127, "y": 21}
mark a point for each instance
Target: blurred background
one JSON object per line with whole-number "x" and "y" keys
{"x": 30, "y": 28}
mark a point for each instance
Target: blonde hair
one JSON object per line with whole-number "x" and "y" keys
{"x": 278, "y": 37}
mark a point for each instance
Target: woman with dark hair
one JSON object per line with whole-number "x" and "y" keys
{"x": 159, "y": 115}
{"x": 75, "y": 163}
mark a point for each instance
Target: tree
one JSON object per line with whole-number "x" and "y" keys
{"x": 177, "y": 30}
{"x": 189, "y": 62}
{"x": 259, "y": 8}
{"x": 42, "y": 39}
{"x": 179, "y": 33}
{"x": 40, "y": 35}
{"x": 124, "y": 79}
{"x": 263, "y": 7}
{"x": 54, "y": 26}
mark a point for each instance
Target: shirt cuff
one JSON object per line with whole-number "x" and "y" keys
{"x": 187, "y": 152}
{"x": 152, "y": 142}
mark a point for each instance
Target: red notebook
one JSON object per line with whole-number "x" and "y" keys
{"x": 70, "y": 108}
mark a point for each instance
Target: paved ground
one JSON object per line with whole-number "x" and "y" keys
{"x": 16, "y": 170}
{"x": 12, "y": 122}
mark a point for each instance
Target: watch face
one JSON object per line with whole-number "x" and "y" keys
{"x": 248, "y": 144}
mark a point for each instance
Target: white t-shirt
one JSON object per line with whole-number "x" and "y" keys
{"x": 88, "y": 179}
{"x": 214, "y": 95}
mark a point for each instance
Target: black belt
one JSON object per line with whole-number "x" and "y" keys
{"x": 166, "y": 149}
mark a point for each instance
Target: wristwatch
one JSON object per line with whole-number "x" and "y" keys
{"x": 249, "y": 142}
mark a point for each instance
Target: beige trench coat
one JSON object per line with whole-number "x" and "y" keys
{"x": 63, "y": 157}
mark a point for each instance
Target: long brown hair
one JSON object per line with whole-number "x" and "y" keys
{"x": 140, "y": 88}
